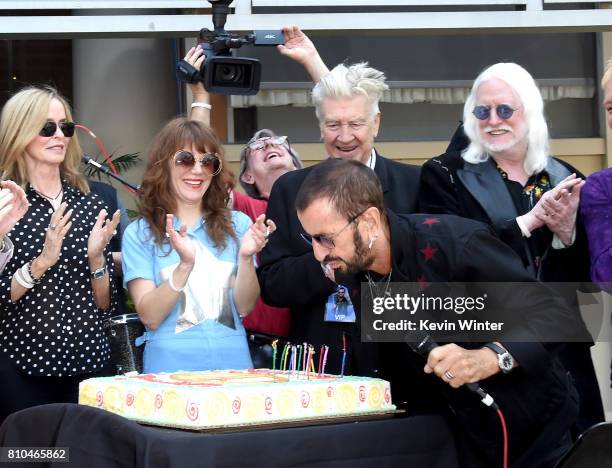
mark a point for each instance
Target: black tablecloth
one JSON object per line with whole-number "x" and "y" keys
{"x": 97, "y": 438}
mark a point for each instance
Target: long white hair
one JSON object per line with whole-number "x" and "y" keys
{"x": 524, "y": 86}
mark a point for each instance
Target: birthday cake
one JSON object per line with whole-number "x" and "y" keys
{"x": 233, "y": 398}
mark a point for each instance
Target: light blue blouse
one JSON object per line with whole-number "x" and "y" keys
{"x": 203, "y": 331}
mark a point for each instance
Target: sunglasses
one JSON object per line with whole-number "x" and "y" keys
{"x": 50, "y": 128}
{"x": 327, "y": 241}
{"x": 261, "y": 143}
{"x": 503, "y": 111}
{"x": 210, "y": 162}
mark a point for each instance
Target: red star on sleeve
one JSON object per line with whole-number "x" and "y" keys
{"x": 431, "y": 221}
{"x": 429, "y": 252}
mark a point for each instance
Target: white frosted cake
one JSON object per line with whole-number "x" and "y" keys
{"x": 214, "y": 399}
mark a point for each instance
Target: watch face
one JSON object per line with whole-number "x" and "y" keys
{"x": 506, "y": 362}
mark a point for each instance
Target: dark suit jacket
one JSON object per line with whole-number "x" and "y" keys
{"x": 443, "y": 189}
{"x": 290, "y": 276}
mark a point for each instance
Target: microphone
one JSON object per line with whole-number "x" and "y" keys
{"x": 427, "y": 344}
{"x": 89, "y": 160}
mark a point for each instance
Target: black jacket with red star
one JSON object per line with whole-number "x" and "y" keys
{"x": 537, "y": 398}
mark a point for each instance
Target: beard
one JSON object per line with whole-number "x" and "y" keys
{"x": 519, "y": 135}
{"x": 361, "y": 260}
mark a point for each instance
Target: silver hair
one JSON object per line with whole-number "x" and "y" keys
{"x": 607, "y": 76}
{"x": 251, "y": 189}
{"x": 526, "y": 89}
{"x": 345, "y": 82}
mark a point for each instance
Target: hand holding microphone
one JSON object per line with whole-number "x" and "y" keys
{"x": 458, "y": 366}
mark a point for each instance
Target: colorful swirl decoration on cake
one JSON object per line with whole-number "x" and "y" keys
{"x": 192, "y": 411}
{"x": 113, "y": 399}
{"x": 287, "y": 403}
{"x": 173, "y": 405}
{"x": 376, "y": 395}
{"x": 254, "y": 407}
{"x": 346, "y": 398}
{"x": 218, "y": 408}
{"x": 143, "y": 403}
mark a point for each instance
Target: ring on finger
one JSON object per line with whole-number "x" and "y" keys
{"x": 52, "y": 226}
{"x": 449, "y": 375}
{"x": 267, "y": 234}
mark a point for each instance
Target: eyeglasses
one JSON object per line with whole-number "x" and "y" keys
{"x": 326, "y": 241}
{"x": 503, "y": 111}
{"x": 210, "y": 162}
{"x": 261, "y": 143}
{"x": 50, "y": 128}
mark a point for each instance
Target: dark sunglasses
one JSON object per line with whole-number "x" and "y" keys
{"x": 327, "y": 241}
{"x": 503, "y": 111}
{"x": 210, "y": 162}
{"x": 50, "y": 128}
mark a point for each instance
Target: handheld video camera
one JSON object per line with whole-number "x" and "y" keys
{"x": 221, "y": 72}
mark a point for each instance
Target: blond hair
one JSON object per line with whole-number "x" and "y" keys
{"x": 23, "y": 116}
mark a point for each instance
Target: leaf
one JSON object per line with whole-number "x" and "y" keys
{"x": 122, "y": 163}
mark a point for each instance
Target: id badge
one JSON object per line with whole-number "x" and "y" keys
{"x": 339, "y": 307}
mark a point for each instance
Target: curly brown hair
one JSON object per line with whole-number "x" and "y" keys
{"x": 157, "y": 197}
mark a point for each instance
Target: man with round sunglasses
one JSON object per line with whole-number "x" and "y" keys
{"x": 498, "y": 170}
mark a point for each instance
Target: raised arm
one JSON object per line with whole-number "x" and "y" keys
{"x": 200, "y": 109}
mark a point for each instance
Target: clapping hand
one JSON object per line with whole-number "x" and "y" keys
{"x": 101, "y": 233}
{"x": 256, "y": 237}
{"x": 59, "y": 225}
{"x": 559, "y": 207}
{"x": 180, "y": 241}
{"x": 13, "y": 205}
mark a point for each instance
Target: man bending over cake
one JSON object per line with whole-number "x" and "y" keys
{"x": 340, "y": 206}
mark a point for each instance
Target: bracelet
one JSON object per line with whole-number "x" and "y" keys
{"x": 31, "y": 276}
{"x": 22, "y": 281}
{"x": 204, "y": 105}
{"x": 172, "y": 286}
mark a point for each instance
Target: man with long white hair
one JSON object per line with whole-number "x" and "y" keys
{"x": 503, "y": 175}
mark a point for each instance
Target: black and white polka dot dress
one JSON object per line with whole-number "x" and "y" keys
{"x": 55, "y": 329}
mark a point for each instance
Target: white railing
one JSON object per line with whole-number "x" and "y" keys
{"x": 88, "y": 17}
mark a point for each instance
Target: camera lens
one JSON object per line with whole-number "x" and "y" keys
{"x": 229, "y": 73}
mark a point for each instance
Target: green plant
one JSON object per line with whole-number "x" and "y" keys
{"x": 122, "y": 163}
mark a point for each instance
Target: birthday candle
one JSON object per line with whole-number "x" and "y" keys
{"x": 274, "y": 343}
{"x": 293, "y": 358}
{"x": 324, "y": 359}
{"x": 343, "y": 355}
{"x": 305, "y": 361}
{"x": 299, "y": 359}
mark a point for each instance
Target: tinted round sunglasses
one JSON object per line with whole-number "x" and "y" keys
{"x": 49, "y": 129}
{"x": 503, "y": 111}
{"x": 210, "y": 162}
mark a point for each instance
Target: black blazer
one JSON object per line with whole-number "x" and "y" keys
{"x": 290, "y": 276}
{"x": 450, "y": 185}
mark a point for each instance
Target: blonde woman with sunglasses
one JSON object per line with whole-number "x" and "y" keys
{"x": 55, "y": 291}
{"x": 188, "y": 261}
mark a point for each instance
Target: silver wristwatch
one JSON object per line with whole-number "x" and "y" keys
{"x": 504, "y": 358}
